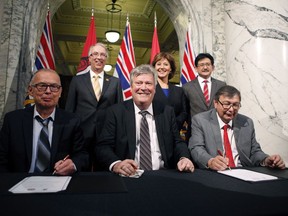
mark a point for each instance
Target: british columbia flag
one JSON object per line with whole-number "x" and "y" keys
{"x": 45, "y": 52}
{"x": 188, "y": 71}
{"x": 126, "y": 62}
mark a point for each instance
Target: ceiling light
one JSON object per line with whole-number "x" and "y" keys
{"x": 107, "y": 67}
{"x": 111, "y": 34}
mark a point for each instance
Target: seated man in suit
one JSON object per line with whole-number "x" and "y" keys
{"x": 238, "y": 146}
{"x": 42, "y": 138}
{"x": 139, "y": 133}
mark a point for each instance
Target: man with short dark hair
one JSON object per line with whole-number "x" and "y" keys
{"x": 223, "y": 138}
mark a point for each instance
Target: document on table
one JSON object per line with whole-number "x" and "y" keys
{"x": 248, "y": 175}
{"x": 41, "y": 184}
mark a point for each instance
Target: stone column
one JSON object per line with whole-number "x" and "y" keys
{"x": 257, "y": 64}
{"x": 21, "y": 26}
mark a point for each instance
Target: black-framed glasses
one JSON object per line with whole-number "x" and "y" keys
{"x": 42, "y": 87}
{"x": 227, "y": 105}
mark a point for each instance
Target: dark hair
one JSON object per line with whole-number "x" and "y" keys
{"x": 228, "y": 91}
{"x": 201, "y": 56}
{"x": 169, "y": 58}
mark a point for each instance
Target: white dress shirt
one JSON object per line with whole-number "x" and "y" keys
{"x": 231, "y": 140}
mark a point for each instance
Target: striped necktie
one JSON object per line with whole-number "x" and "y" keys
{"x": 206, "y": 92}
{"x": 43, "y": 155}
{"x": 96, "y": 87}
{"x": 145, "y": 148}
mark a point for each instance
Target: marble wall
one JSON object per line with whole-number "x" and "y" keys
{"x": 256, "y": 35}
{"x": 247, "y": 38}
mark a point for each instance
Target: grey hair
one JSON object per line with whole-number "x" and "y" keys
{"x": 98, "y": 44}
{"x": 143, "y": 69}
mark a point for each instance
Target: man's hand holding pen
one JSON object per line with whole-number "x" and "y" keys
{"x": 64, "y": 167}
{"x": 219, "y": 162}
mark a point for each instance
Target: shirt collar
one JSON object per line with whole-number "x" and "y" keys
{"x": 101, "y": 74}
{"x": 201, "y": 79}
{"x": 137, "y": 110}
{"x": 221, "y": 123}
{"x": 52, "y": 115}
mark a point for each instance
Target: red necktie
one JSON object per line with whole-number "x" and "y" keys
{"x": 206, "y": 92}
{"x": 227, "y": 147}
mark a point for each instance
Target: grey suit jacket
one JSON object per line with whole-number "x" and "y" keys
{"x": 196, "y": 98}
{"x": 206, "y": 139}
{"x": 82, "y": 101}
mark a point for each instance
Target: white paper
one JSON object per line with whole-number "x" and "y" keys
{"x": 41, "y": 184}
{"x": 137, "y": 174}
{"x": 248, "y": 175}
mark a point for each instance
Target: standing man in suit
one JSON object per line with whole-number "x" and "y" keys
{"x": 201, "y": 98}
{"x": 238, "y": 147}
{"x": 120, "y": 146}
{"x": 21, "y": 137}
{"x": 89, "y": 98}
{"x": 194, "y": 90}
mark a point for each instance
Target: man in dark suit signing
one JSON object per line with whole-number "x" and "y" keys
{"x": 90, "y": 94}
{"x": 121, "y": 143}
{"x": 211, "y": 148}
{"x": 42, "y": 138}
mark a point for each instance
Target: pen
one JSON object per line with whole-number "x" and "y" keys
{"x": 67, "y": 156}
{"x": 220, "y": 153}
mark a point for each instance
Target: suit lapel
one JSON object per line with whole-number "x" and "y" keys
{"x": 27, "y": 125}
{"x": 86, "y": 81}
{"x": 158, "y": 116}
{"x": 58, "y": 126}
{"x": 106, "y": 83}
{"x": 237, "y": 136}
{"x": 129, "y": 118}
{"x": 215, "y": 130}
{"x": 199, "y": 91}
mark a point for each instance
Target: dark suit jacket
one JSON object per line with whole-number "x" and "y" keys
{"x": 206, "y": 139}
{"x": 118, "y": 138}
{"x": 16, "y": 140}
{"x": 176, "y": 99}
{"x": 196, "y": 98}
{"x": 82, "y": 101}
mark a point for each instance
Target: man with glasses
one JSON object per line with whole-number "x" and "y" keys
{"x": 222, "y": 138}
{"x": 200, "y": 91}
{"x": 90, "y": 94}
{"x": 39, "y": 138}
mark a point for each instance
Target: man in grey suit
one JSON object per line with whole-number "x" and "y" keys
{"x": 207, "y": 147}
{"x": 82, "y": 98}
{"x": 193, "y": 90}
{"x": 122, "y": 142}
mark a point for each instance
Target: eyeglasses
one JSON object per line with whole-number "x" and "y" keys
{"x": 204, "y": 64}
{"x": 96, "y": 54}
{"x": 227, "y": 105}
{"x": 42, "y": 87}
